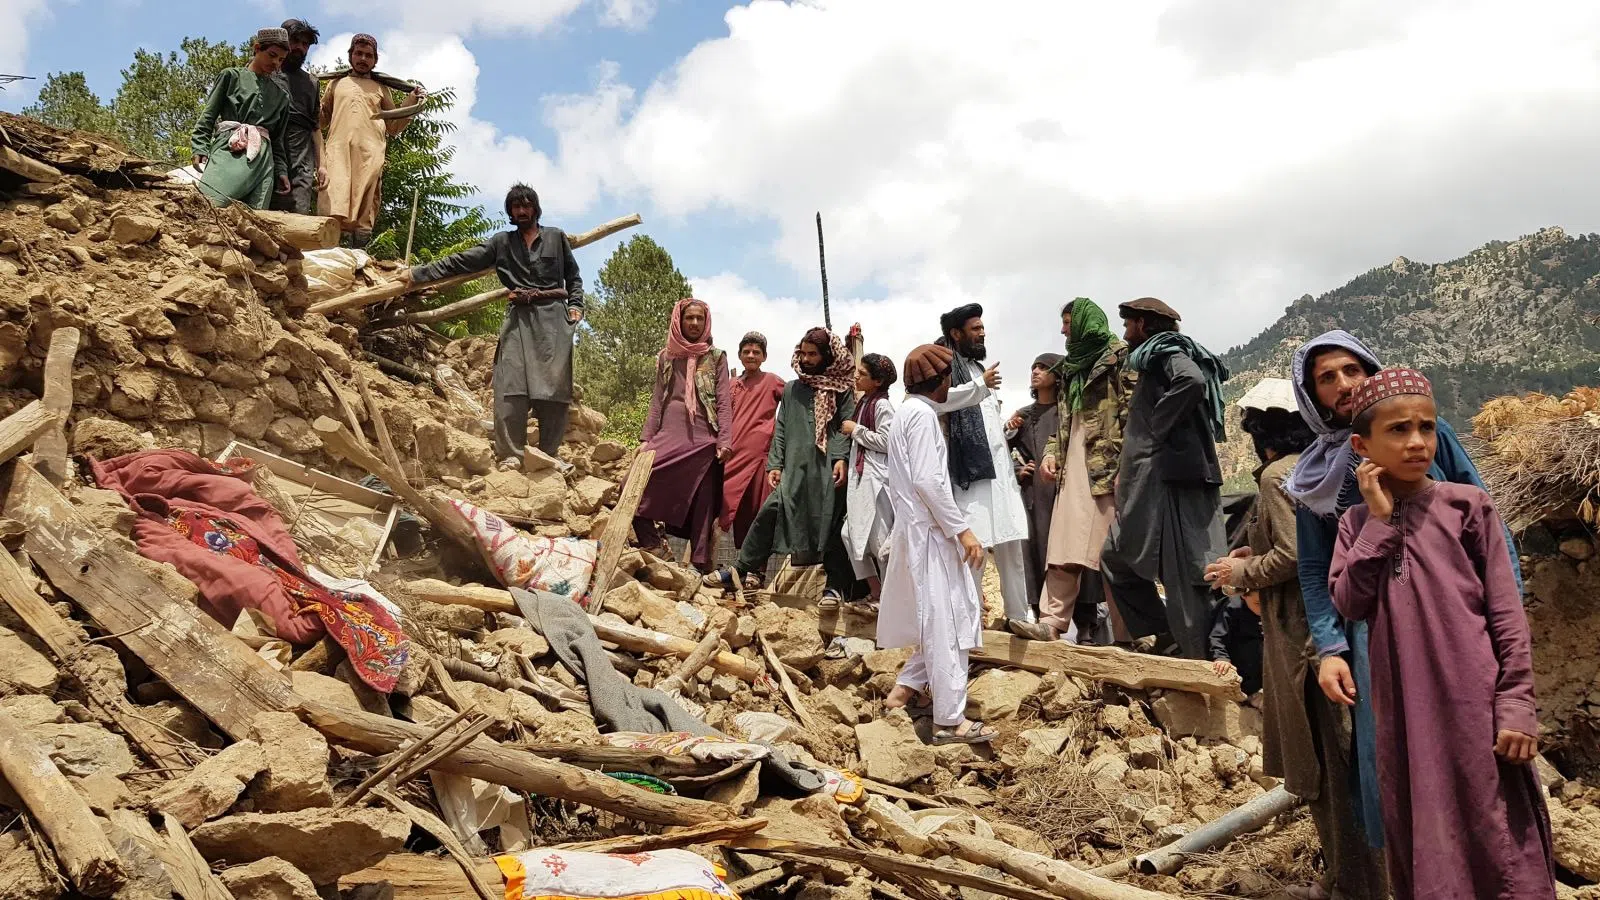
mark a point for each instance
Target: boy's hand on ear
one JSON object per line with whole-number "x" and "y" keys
{"x": 1515, "y": 747}
{"x": 1369, "y": 475}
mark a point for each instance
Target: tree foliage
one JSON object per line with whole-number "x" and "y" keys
{"x": 160, "y": 98}
{"x": 66, "y": 101}
{"x": 624, "y": 328}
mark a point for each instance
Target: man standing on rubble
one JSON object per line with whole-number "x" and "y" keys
{"x": 986, "y": 487}
{"x": 303, "y": 137}
{"x": 533, "y": 362}
{"x": 240, "y": 140}
{"x": 1169, "y": 501}
{"x": 806, "y": 468}
{"x": 357, "y": 140}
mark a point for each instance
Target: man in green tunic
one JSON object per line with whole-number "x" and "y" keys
{"x": 240, "y": 142}
{"x": 806, "y": 468}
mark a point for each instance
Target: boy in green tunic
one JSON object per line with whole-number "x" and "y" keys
{"x": 240, "y": 142}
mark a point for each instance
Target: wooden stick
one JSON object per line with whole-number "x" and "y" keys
{"x": 622, "y": 759}
{"x": 22, "y": 428}
{"x": 709, "y": 833}
{"x": 446, "y": 837}
{"x": 517, "y": 770}
{"x": 401, "y": 369}
{"x": 399, "y": 287}
{"x": 434, "y": 757}
{"x": 85, "y": 853}
{"x": 339, "y": 442}
{"x": 50, "y": 450}
{"x": 466, "y": 671}
{"x": 208, "y": 667}
{"x": 165, "y": 753}
{"x": 614, "y": 540}
{"x": 411, "y": 230}
{"x": 398, "y": 760}
{"x": 380, "y": 426}
{"x": 299, "y": 231}
{"x": 345, "y": 409}
{"x": 629, "y": 637}
{"x": 792, "y": 695}
{"x": 1241, "y": 820}
{"x": 888, "y": 864}
{"x": 718, "y": 629}
{"x": 1037, "y": 871}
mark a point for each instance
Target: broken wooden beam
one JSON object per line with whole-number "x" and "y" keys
{"x": 709, "y": 833}
{"x": 447, "y": 839}
{"x": 299, "y": 231}
{"x": 397, "y": 760}
{"x": 614, "y": 539}
{"x": 521, "y": 771}
{"x": 380, "y": 425}
{"x": 623, "y": 759}
{"x": 793, "y": 696}
{"x": 888, "y": 864}
{"x": 401, "y": 286}
{"x": 87, "y": 855}
{"x": 629, "y": 637}
{"x": 27, "y": 168}
{"x": 50, "y": 451}
{"x": 22, "y": 428}
{"x": 1034, "y": 870}
{"x": 208, "y": 667}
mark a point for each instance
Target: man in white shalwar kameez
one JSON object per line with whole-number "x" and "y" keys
{"x": 985, "y": 482}
{"x": 930, "y": 601}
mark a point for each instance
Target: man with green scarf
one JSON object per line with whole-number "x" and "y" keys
{"x": 1082, "y": 459}
{"x": 1169, "y": 504}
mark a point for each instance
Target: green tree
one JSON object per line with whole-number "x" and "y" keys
{"x": 66, "y": 102}
{"x": 161, "y": 96}
{"x": 624, "y": 328}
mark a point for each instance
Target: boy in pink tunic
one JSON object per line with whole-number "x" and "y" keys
{"x": 1425, "y": 563}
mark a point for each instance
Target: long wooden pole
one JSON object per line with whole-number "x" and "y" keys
{"x": 1037, "y": 871}
{"x": 411, "y": 230}
{"x": 822, "y": 263}
{"x": 614, "y": 539}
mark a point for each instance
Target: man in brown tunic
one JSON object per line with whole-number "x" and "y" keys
{"x": 356, "y": 141}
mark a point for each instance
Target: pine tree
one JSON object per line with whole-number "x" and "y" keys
{"x": 66, "y": 102}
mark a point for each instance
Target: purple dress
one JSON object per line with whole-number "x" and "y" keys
{"x": 685, "y": 489}
{"x": 1452, "y": 665}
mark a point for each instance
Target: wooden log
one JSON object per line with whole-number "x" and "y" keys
{"x": 50, "y": 451}
{"x": 399, "y": 112}
{"x": 397, "y": 760}
{"x": 442, "y": 833}
{"x": 166, "y": 753}
{"x": 414, "y": 877}
{"x": 623, "y": 759}
{"x": 380, "y": 425}
{"x": 192, "y": 878}
{"x": 1240, "y": 820}
{"x": 339, "y": 442}
{"x": 386, "y": 364}
{"x": 629, "y": 637}
{"x": 614, "y": 539}
{"x": 63, "y": 815}
{"x": 28, "y": 168}
{"x": 433, "y": 757}
{"x": 22, "y": 428}
{"x": 719, "y": 628}
{"x": 491, "y": 762}
{"x": 300, "y": 232}
{"x": 208, "y": 667}
{"x": 1038, "y": 871}
{"x": 887, "y": 864}
{"x": 399, "y": 287}
{"x": 709, "y": 833}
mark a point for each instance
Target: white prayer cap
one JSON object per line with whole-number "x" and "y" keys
{"x": 1270, "y": 393}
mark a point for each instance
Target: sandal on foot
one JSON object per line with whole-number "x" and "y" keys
{"x": 1033, "y": 631}
{"x": 721, "y": 577}
{"x": 919, "y": 706}
{"x": 752, "y": 582}
{"x": 830, "y": 600}
{"x": 976, "y": 733}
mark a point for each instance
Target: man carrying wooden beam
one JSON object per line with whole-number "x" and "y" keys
{"x": 533, "y": 362}
{"x": 358, "y": 139}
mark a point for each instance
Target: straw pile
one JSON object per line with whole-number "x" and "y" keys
{"x": 1540, "y": 456}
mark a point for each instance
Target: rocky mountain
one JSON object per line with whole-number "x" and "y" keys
{"x": 1509, "y": 317}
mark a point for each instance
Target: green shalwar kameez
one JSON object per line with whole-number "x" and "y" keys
{"x": 804, "y": 515}
{"x": 241, "y": 95}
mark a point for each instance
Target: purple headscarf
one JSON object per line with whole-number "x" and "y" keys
{"x": 1320, "y": 474}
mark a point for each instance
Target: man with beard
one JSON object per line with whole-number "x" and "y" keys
{"x": 806, "y": 469}
{"x": 1168, "y": 496}
{"x": 533, "y": 362}
{"x": 986, "y": 488}
{"x": 1328, "y": 370}
{"x": 303, "y": 137}
{"x": 357, "y": 141}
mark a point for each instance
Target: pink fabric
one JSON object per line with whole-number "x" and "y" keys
{"x": 679, "y": 347}
{"x": 246, "y": 138}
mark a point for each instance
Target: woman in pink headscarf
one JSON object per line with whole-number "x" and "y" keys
{"x": 690, "y": 428}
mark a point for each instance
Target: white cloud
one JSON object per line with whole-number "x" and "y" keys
{"x": 20, "y": 16}
{"x": 632, "y": 15}
{"x": 464, "y": 16}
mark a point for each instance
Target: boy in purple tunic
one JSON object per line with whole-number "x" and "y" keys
{"x": 1425, "y": 564}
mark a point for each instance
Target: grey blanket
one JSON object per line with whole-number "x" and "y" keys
{"x": 619, "y": 704}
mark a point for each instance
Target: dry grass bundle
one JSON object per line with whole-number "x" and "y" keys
{"x": 1261, "y": 864}
{"x": 1540, "y": 456}
{"x": 1064, "y": 805}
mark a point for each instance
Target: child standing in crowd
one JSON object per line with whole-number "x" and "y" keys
{"x": 868, "y": 516}
{"x": 1236, "y": 640}
{"x": 1425, "y": 564}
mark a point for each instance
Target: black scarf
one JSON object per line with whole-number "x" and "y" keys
{"x": 970, "y": 459}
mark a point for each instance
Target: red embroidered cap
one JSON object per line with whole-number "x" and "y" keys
{"x": 1391, "y": 383}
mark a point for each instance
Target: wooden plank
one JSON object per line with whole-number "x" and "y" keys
{"x": 789, "y": 692}
{"x": 184, "y": 855}
{"x": 208, "y": 667}
{"x": 629, "y": 637}
{"x": 496, "y": 764}
{"x": 414, "y": 877}
{"x": 22, "y": 428}
{"x": 191, "y": 876}
{"x": 27, "y": 167}
{"x": 87, "y": 855}
{"x": 380, "y": 425}
{"x": 349, "y": 413}
{"x": 614, "y": 540}
{"x": 50, "y": 451}
{"x": 166, "y": 753}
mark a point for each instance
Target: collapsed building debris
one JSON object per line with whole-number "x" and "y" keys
{"x": 152, "y": 751}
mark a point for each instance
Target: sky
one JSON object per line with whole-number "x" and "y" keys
{"x": 1226, "y": 156}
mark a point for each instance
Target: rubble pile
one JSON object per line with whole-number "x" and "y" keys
{"x": 151, "y": 753}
